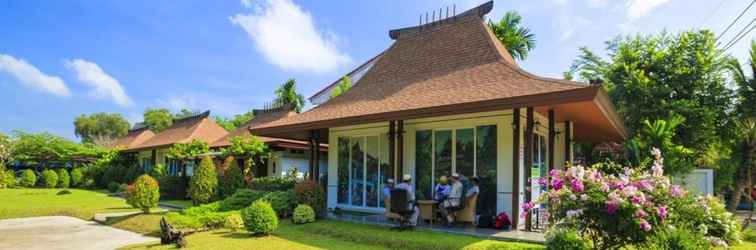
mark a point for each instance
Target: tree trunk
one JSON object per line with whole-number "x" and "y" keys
{"x": 740, "y": 186}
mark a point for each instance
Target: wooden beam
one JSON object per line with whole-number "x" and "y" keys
{"x": 568, "y": 142}
{"x": 392, "y": 149}
{"x": 516, "y": 168}
{"x": 311, "y": 169}
{"x": 552, "y": 135}
{"x": 528, "y": 162}
{"x": 316, "y": 153}
{"x": 400, "y": 148}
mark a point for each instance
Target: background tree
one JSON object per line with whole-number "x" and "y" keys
{"x": 5, "y": 148}
{"x": 287, "y": 94}
{"x": 100, "y": 128}
{"x": 344, "y": 85}
{"x": 158, "y": 119}
{"x": 516, "y": 39}
{"x": 235, "y": 122}
{"x": 247, "y": 147}
{"x": 185, "y": 151}
{"x": 204, "y": 182}
{"x": 43, "y": 148}
{"x": 231, "y": 178}
{"x": 661, "y": 76}
{"x": 184, "y": 113}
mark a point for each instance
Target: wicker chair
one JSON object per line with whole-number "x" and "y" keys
{"x": 467, "y": 214}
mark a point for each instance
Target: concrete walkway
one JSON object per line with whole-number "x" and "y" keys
{"x": 61, "y": 232}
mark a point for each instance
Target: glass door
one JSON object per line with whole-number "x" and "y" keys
{"x": 362, "y": 169}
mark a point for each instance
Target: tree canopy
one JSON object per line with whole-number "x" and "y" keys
{"x": 344, "y": 85}
{"x": 5, "y": 148}
{"x": 183, "y": 151}
{"x": 286, "y": 94}
{"x": 158, "y": 119}
{"x": 45, "y": 147}
{"x": 657, "y": 77}
{"x": 100, "y": 128}
{"x": 235, "y": 122}
{"x": 517, "y": 39}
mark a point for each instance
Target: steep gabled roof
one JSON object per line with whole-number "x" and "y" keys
{"x": 452, "y": 66}
{"x": 137, "y": 135}
{"x": 184, "y": 130}
{"x": 355, "y": 76}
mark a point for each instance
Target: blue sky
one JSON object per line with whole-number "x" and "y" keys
{"x": 60, "y": 59}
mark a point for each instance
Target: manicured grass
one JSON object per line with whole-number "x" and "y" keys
{"x": 147, "y": 224}
{"x": 177, "y": 203}
{"x": 25, "y": 202}
{"x": 325, "y": 234}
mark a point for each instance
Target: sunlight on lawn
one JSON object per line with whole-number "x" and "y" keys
{"x": 26, "y": 202}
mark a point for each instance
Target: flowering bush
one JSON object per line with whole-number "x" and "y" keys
{"x": 619, "y": 210}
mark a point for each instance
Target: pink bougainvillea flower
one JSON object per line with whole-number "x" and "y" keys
{"x": 611, "y": 207}
{"x": 662, "y": 211}
{"x": 676, "y": 191}
{"x": 644, "y": 225}
{"x": 640, "y": 213}
{"x": 557, "y": 184}
{"x": 577, "y": 185}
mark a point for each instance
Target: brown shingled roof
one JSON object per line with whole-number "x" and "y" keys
{"x": 452, "y": 66}
{"x": 262, "y": 118}
{"x": 184, "y": 130}
{"x": 133, "y": 138}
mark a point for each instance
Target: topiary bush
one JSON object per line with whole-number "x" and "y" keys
{"x": 204, "y": 182}
{"x": 234, "y": 222}
{"x": 113, "y": 187}
{"x": 241, "y": 199}
{"x": 281, "y": 201}
{"x": 144, "y": 193}
{"x": 260, "y": 218}
{"x": 63, "y": 192}
{"x": 64, "y": 179}
{"x": 271, "y": 183}
{"x": 49, "y": 178}
{"x": 77, "y": 177}
{"x": 173, "y": 187}
{"x": 28, "y": 178}
{"x": 202, "y": 216}
{"x": 231, "y": 178}
{"x": 311, "y": 193}
{"x": 303, "y": 214}
{"x": 563, "y": 238}
{"x": 10, "y": 179}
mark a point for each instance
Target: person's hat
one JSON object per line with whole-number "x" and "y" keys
{"x": 407, "y": 177}
{"x": 390, "y": 181}
{"x": 455, "y": 175}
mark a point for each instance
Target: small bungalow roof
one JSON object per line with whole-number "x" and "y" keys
{"x": 261, "y": 118}
{"x": 453, "y": 66}
{"x": 137, "y": 135}
{"x": 184, "y": 130}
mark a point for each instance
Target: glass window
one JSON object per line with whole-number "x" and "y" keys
{"x": 423, "y": 163}
{"x": 372, "y": 178}
{"x": 357, "y": 170}
{"x": 343, "y": 171}
{"x": 485, "y": 161}
{"x": 386, "y": 171}
{"x": 465, "y": 152}
{"x": 443, "y": 153}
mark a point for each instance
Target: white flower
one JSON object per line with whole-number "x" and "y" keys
{"x": 584, "y": 197}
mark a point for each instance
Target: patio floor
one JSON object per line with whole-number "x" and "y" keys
{"x": 513, "y": 235}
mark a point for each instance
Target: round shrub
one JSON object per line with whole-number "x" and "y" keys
{"x": 144, "y": 193}
{"x": 234, "y": 222}
{"x": 281, "y": 201}
{"x": 28, "y": 178}
{"x": 77, "y": 177}
{"x": 64, "y": 179}
{"x": 303, "y": 214}
{"x": 259, "y": 218}
{"x": 63, "y": 192}
{"x": 311, "y": 193}
{"x": 49, "y": 178}
{"x": 204, "y": 182}
{"x": 562, "y": 238}
{"x": 113, "y": 187}
{"x": 10, "y": 179}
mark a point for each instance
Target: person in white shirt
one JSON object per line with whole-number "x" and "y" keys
{"x": 406, "y": 185}
{"x": 475, "y": 189}
{"x": 454, "y": 202}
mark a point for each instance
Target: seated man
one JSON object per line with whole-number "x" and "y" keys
{"x": 475, "y": 189}
{"x": 387, "y": 188}
{"x": 406, "y": 185}
{"x": 454, "y": 202}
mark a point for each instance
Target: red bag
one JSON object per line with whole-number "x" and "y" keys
{"x": 502, "y": 221}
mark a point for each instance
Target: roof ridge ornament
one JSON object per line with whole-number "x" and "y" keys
{"x": 480, "y": 11}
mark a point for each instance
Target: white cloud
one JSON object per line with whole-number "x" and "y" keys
{"x": 640, "y": 8}
{"x": 286, "y": 35}
{"x": 246, "y": 3}
{"x": 103, "y": 85}
{"x": 598, "y": 3}
{"x": 568, "y": 25}
{"x": 218, "y": 105}
{"x": 31, "y": 76}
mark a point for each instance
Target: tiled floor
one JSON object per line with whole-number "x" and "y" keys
{"x": 469, "y": 230}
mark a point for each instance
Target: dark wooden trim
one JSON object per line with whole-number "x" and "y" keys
{"x": 516, "y": 168}
{"x": 529, "y": 122}
{"x": 153, "y": 158}
{"x": 400, "y": 148}
{"x": 568, "y": 142}
{"x": 311, "y": 146}
{"x": 552, "y": 136}
{"x": 392, "y": 149}
{"x": 316, "y": 153}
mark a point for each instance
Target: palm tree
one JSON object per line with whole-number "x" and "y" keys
{"x": 746, "y": 86}
{"x": 287, "y": 94}
{"x": 518, "y": 40}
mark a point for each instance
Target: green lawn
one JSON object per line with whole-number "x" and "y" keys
{"x": 324, "y": 234}
{"x": 25, "y": 202}
{"x": 177, "y": 203}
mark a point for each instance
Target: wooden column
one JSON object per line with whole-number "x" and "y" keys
{"x": 400, "y": 148}
{"x": 392, "y": 150}
{"x": 311, "y": 145}
{"x": 528, "y": 162}
{"x": 552, "y": 134}
{"x": 568, "y": 142}
{"x": 316, "y": 149}
{"x": 516, "y": 168}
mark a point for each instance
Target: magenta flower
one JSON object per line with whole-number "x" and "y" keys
{"x": 676, "y": 191}
{"x": 611, "y": 207}
{"x": 557, "y": 184}
{"x": 542, "y": 182}
{"x": 577, "y": 185}
{"x": 644, "y": 225}
{"x": 640, "y": 213}
{"x": 662, "y": 211}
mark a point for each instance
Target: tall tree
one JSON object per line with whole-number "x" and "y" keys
{"x": 287, "y": 94}
{"x": 657, "y": 77}
{"x": 344, "y": 85}
{"x": 517, "y": 39}
{"x": 100, "y": 128}
{"x": 158, "y": 119}
{"x": 234, "y": 123}
{"x": 5, "y": 149}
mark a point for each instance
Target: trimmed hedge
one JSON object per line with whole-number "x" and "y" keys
{"x": 270, "y": 183}
{"x": 230, "y": 178}
{"x": 303, "y": 214}
{"x": 77, "y": 177}
{"x": 113, "y": 187}
{"x": 241, "y": 199}
{"x": 173, "y": 187}
{"x": 64, "y": 179}
{"x": 28, "y": 178}
{"x": 204, "y": 182}
{"x": 281, "y": 201}
{"x": 260, "y": 218}
{"x": 49, "y": 178}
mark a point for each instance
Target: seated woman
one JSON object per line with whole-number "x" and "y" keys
{"x": 442, "y": 189}
{"x": 454, "y": 201}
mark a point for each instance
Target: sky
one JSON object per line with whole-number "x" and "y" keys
{"x": 61, "y": 59}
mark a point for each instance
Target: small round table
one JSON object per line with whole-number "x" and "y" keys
{"x": 427, "y": 210}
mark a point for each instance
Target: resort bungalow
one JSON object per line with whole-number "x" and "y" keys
{"x": 445, "y": 98}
